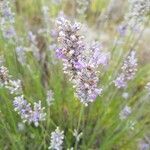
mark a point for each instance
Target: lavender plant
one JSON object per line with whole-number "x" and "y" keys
{"x": 48, "y": 59}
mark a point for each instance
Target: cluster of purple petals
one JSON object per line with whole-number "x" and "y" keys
{"x": 128, "y": 71}
{"x": 57, "y": 138}
{"x": 21, "y": 105}
{"x": 80, "y": 61}
{"x": 138, "y": 9}
{"x": 27, "y": 113}
{"x": 7, "y": 20}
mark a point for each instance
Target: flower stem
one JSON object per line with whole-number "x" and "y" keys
{"x": 79, "y": 123}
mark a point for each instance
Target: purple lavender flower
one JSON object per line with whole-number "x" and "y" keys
{"x": 80, "y": 62}
{"x": 28, "y": 114}
{"x": 125, "y": 112}
{"x": 86, "y": 84}
{"x": 122, "y": 29}
{"x": 59, "y": 53}
{"x": 6, "y": 12}
{"x": 57, "y": 138}
{"x": 23, "y": 108}
{"x": 97, "y": 56}
{"x": 9, "y": 32}
{"x": 21, "y": 105}
{"x": 138, "y": 9}
{"x": 37, "y": 114}
{"x": 129, "y": 69}
{"x": 71, "y": 45}
{"x": 7, "y": 20}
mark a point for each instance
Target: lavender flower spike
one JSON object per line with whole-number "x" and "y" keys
{"x": 138, "y": 9}
{"x": 129, "y": 69}
{"x": 56, "y": 139}
{"x": 23, "y": 108}
{"x": 38, "y": 114}
{"x": 80, "y": 62}
{"x": 28, "y": 114}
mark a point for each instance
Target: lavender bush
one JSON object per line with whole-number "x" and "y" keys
{"x": 71, "y": 77}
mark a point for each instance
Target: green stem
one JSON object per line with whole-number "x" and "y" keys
{"x": 79, "y": 123}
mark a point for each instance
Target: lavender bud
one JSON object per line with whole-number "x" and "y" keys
{"x": 138, "y": 9}
{"x": 25, "y": 111}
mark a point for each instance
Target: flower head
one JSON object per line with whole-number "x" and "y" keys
{"x": 128, "y": 71}
{"x": 26, "y": 112}
{"x": 23, "y": 108}
{"x": 57, "y": 138}
{"x": 37, "y": 114}
{"x": 125, "y": 112}
{"x": 120, "y": 81}
{"x": 129, "y": 67}
{"x": 138, "y": 9}
{"x": 80, "y": 61}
